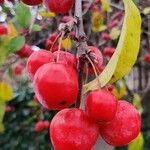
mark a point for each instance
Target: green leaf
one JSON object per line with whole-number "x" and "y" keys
{"x": 16, "y": 44}
{"x": 138, "y": 103}
{"x": 36, "y": 28}
{"x": 136, "y": 1}
{"x": 23, "y": 14}
{"x": 2, "y": 113}
{"x": 137, "y": 144}
{"x": 126, "y": 52}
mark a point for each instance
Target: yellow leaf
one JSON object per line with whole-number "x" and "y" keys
{"x": 66, "y": 44}
{"x": 106, "y": 5}
{"x": 6, "y": 91}
{"x": 97, "y": 21}
{"x": 12, "y": 32}
{"x": 115, "y": 33}
{"x": 126, "y": 52}
{"x": 137, "y": 144}
{"x": 47, "y": 14}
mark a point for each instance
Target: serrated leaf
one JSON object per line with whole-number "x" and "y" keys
{"x": 126, "y": 52}
{"x": 16, "y": 43}
{"x": 2, "y": 113}
{"x": 137, "y": 144}
{"x": 23, "y": 14}
{"x": 6, "y": 91}
{"x": 36, "y": 28}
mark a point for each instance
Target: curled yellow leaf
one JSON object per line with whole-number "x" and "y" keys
{"x": 66, "y": 44}
{"x": 126, "y": 52}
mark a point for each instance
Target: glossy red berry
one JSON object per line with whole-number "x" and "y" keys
{"x": 59, "y": 6}
{"x": 72, "y": 129}
{"x": 124, "y": 127}
{"x": 25, "y": 51}
{"x": 98, "y": 60}
{"x": 109, "y": 51}
{"x": 36, "y": 60}
{"x": 147, "y": 58}
{"x": 67, "y": 58}
{"x": 3, "y": 30}
{"x": 56, "y": 85}
{"x": 39, "y": 126}
{"x": 32, "y": 2}
{"x": 101, "y": 105}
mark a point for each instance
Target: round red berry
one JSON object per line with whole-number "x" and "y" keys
{"x": 101, "y": 105}
{"x": 59, "y": 6}
{"x": 72, "y": 129}
{"x": 109, "y": 51}
{"x": 39, "y": 126}
{"x": 67, "y": 58}
{"x": 56, "y": 85}
{"x": 32, "y": 2}
{"x": 36, "y": 60}
{"x": 3, "y": 30}
{"x": 124, "y": 127}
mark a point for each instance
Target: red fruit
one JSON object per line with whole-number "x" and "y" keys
{"x": 124, "y": 127}
{"x": 101, "y": 105}
{"x": 109, "y": 51}
{"x": 56, "y": 85}
{"x": 36, "y": 60}
{"x": 47, "y": 124}
{"x": 113, "y": 24}
{"x": 35, "y": 99}
{"x": 8, "y": 108}
{"x": 17, "y": 69}
{"x": 106, "y": 37}
{"x": 67, "y": 58}
{"x": 25, "y": 51}
{"x": 59, "y": 6}
{"x": 1, "y": 1}
{"x": 32, "y": 2}
{"x": 147, "y": 58}
{"x": 72, "y": 129}
{"x": 39, "y": 126}
{"x": 98, "y": 60}
{"x": 3, "y": 29}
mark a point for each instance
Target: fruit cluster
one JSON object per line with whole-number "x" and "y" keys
{"x": 55, "y": 82}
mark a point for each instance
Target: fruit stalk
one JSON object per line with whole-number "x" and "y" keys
{"x": 81, "y": 47}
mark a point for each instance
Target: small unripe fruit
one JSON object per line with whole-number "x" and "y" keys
{"x": 3, "y": 30}
{"x": 8, "y": 108}
{"x": 101, "y": 105}
{"x": 72, "y": 129}
{"x": 124, "y": 128}
{"x": 25, "y": 51}
{"x": 56, "y": 85}
{"x": 59, "y": 6}
{"x": 67, "y": 58}
{"x": 36, "y": 60}
{"x": 46, "y": 124}
{"x": 32, "y": 2}
{"x": 39, "y": 126}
